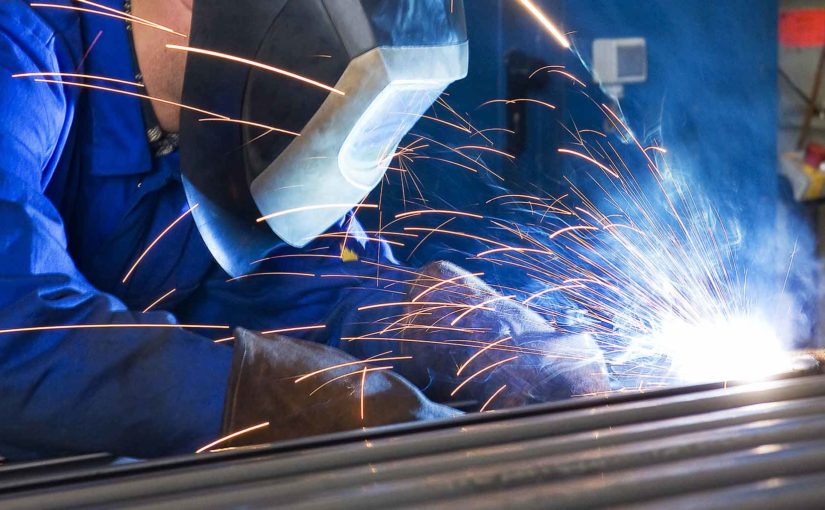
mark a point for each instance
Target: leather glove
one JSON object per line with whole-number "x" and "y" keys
{"x": 541, "y": 365}
{"x": 263, "y": 388}
{"x": 809, "y": 360}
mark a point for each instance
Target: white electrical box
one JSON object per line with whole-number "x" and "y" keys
{"x": 620, "y": 61}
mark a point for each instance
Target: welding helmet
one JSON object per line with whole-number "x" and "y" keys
{"x": 349, "y": 79}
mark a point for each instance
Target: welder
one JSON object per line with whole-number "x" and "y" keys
{"x": 112, "y": 206}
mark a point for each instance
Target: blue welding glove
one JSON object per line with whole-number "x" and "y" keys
{"x": 267, "y": 385}
{"x": 485, "y": 340}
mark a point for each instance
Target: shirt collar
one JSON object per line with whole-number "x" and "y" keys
{"x": 118, "y": 144}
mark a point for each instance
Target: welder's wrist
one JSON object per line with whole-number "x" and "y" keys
{"x": 194, "y": 399}
{"x": 244, "y": 353}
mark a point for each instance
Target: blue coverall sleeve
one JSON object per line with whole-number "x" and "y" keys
{"x": 134, "y": 392}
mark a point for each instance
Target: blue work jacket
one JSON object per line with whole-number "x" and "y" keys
{"x": 81, "y": 197}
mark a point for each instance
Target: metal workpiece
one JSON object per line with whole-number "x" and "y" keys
{"x": 706, "y": 442}
{"x": 607, "y": 490}
{"x": 781, "y": 492}
{"x": 511, "y": 467}
{"x": 27, "y": 470}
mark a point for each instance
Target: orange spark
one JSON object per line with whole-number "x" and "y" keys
{"x": 457, "y": 234}
{"x": 159, "y": 300}
{"x": 350, "y": 374}
{"x": 525, "y": 197}
{"x": 592, "y": 131}
{"x": 363, "y": 390}
{"x": 445, "y": 282}
{"x": 232, "y": 436}
{"x": 569, "y": 76}
{"x": 481, "y": 306}
{"x": 490, "y": 400}
{"x": 514, "y": 249}
{"x": 121, "y": 16}
{"x": 450, "y": 109}
{"x": 256, "y": 275}
{"x": 391, "y": 329}
{"x": 544, "y": 68}
{"x": 485, "y": 149}
{"x": 488, "y": 130}
{"x": 426, "y": 237}
{"x": 292, "y": 330}
{"x": 483, "y": 370}
{"x": 604, "y": 167}
{"x": 459, "y": 343}
{"x": 350, "y": 364}
{"x": 437, "y": 211}
{"x": 627, "y": 227}
{"x": 514, "y": 101}
{"x": 131, "y": 94}
{"x": 377, "y": 239}
{"x": 480, "y": 352}
{"x": 293, "y": 256}
{"x": 110, "y": 326}
{"x": 297, "y": 210}
{"x": 421, "y": 303}
{"x": 550, "y": 290}
{"x": 571, "y": 229}
{"x": 277, "y": 332}
{"x": 216, "y": 116}
{"x": 156, "y": 241}
{"x": 465, "y": 156}
{"x": 81, "y": 76}
{"x": 258, "y": 65}
{"x": 252, "y": 124}
{"x": 133, "y": 18}
{"x": 545, "y": 21}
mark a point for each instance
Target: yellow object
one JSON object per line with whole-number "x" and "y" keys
{"x": 348, "y": 255}
{"x": 807, "y": 181}
{"x": 817, "y": 182}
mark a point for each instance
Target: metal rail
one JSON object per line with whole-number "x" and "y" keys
{"x": 706, "y": 447}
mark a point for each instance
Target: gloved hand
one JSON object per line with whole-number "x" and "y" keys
{"x": 263, "y": 388}
{"x": 545, "y": 365}
{"x": 808, "y": 360}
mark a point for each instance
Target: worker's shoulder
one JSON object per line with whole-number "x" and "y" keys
{"x": 38, "y": 28}
{"x": 35, "y": 40}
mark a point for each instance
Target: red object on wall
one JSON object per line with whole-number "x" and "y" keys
{"x": 814, "y": 155}
{"x": 802, "y": 28}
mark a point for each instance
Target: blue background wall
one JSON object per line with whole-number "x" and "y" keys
{"x": 711, "y": 99}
